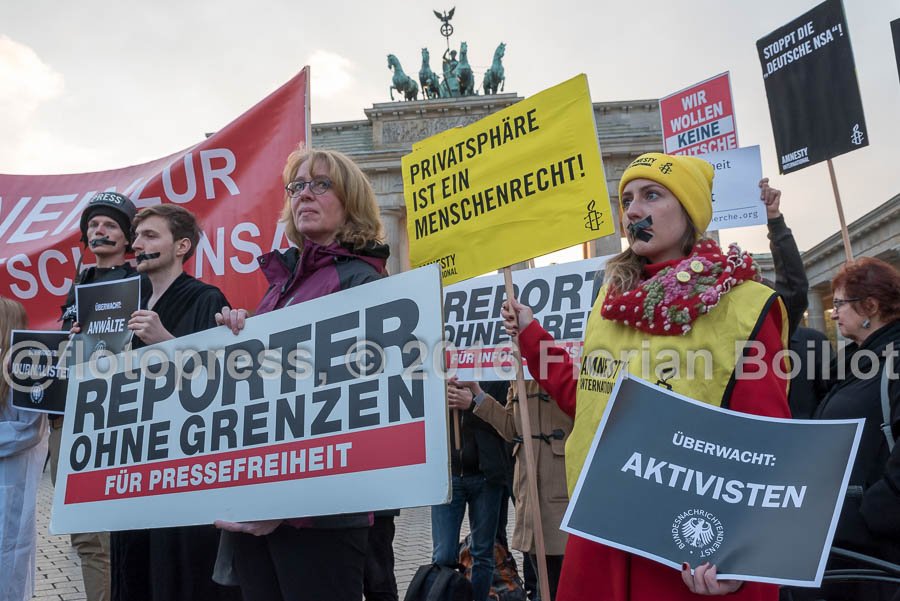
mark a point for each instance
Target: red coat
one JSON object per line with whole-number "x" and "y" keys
{"x": 596, "y": 572}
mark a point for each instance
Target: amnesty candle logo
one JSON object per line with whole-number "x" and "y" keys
{"x": 699, "y": 531}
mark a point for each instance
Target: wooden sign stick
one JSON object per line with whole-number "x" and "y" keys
{"x": 530, "y": 463}
{"x": 845, "y": 233}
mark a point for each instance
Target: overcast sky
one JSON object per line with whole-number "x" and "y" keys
{"x": 93, "y": 85}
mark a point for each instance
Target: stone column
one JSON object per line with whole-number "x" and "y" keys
{"x": 394, "y": 220}
{"x": 816, "y": 311}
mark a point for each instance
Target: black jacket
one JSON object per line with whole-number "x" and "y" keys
{"x": 791, "y": 282}
{"x": 870, "y": 518}
{"x": 482, "y": 450}
{"x": 809, "y": 386}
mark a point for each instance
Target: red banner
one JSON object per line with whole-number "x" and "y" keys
{"x": 231, "y": 181}
{"x": 374, "y": 449}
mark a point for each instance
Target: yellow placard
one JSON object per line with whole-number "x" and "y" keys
{"x": 523, "y": 182}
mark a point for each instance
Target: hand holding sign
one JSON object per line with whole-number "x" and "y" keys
{"x": 458, "y": 397}
{"x": 233, "y": 319}
{"x": 702, "y": 581}
{"x": 461, "y": 395}
{"x": 257, "y": 528}
{"x": 147, "y": 326}
{"x": 516, "y": 316}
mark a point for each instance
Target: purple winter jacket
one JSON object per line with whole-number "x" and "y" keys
{"x": 295, "y": 277}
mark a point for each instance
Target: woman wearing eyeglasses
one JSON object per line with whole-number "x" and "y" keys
{"x": 331, "y": 215}
{"x": 864, "y": 380}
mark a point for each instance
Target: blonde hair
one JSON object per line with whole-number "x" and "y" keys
{"x": 624, "y": 271}
{"x": 363, "y": 223}
{"x": 12, "y": 317}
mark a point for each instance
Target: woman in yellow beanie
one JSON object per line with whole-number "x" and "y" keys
{"x": 671, "y": 289}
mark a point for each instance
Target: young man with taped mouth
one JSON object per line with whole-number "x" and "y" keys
{"x": 106, "y": 230}
{"x": 168, "y": 564}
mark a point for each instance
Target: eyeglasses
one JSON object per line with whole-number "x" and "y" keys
{"x": 837, "y": 303}
{"x": 316, "y": 186}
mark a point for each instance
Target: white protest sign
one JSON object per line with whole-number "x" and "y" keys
{"x": 334, "y": 405}
{"x": 736, "y": 200}
{"x": 560, "y": 295}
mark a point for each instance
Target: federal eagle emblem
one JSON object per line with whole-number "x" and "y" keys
{"x": 698, "y": 529}
{"x": 697, "y": 532}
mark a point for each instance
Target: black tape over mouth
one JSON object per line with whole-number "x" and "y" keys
{"x": 101, "y": 242}
{"x": 146, "y": 257}
{"x": 639, "y": 230}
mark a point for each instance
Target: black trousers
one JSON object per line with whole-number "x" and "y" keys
{"x": 379, "y": 583}
{"x": 302, "y": 564}
{"x": 167, "y": 564}
{"x": 554, "y": 568}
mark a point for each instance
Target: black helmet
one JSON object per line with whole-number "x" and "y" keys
{"x": 113, "y": 205}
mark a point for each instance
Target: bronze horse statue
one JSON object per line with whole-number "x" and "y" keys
{"x": 431, "y": 84}
{"x": 464, "y": 72}
{"x": 495, "y": 78}
{"x": 402, "y": 82}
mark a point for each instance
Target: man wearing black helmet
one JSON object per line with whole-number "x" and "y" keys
{"x": 106, "y": 231}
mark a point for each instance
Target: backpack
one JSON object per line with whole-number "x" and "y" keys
{"x": 506, "y": 585}
{"x": 438, "y": 583}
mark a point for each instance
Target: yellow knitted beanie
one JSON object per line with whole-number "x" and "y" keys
{"x": 688, "y": 178}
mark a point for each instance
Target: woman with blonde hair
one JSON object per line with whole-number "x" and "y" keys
{"x": 23, "y": 447}
{"x": 671, "y": 290}
{"x": 331, "y": 215}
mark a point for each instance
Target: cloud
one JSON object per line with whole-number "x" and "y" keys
{"x": 29, "y": 87}
{"x": 330, "y": 74}
{"x": 26, "y": 82}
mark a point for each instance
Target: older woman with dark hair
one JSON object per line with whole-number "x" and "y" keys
{"x": 331, "y": 215}
{"x": 864, "y": 384}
